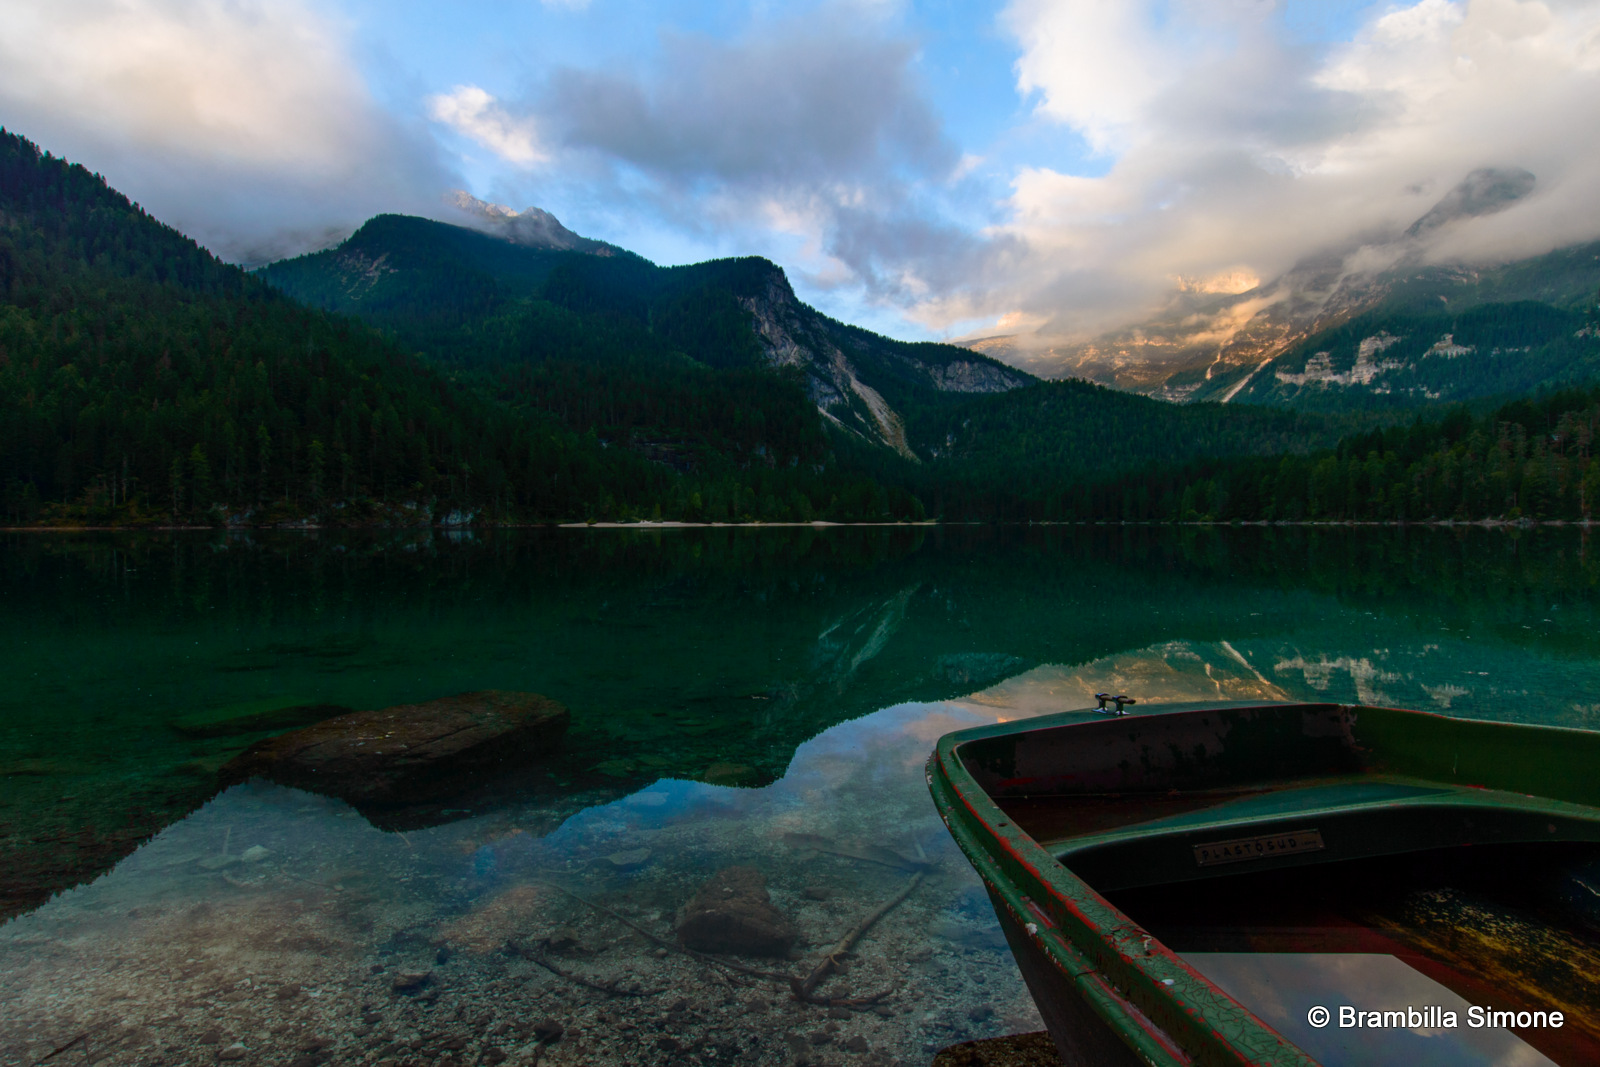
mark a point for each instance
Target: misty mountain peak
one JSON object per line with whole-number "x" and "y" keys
{"x": 531, "y": 227}
{"x": 1483, "y": 192}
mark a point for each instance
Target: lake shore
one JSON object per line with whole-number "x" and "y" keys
{"x": 647, "y": 524}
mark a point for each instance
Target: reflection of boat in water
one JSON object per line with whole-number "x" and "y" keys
{"x": 1187, "y": 885}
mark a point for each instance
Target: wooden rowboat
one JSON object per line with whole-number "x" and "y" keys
{"x": 1189, "y": 884}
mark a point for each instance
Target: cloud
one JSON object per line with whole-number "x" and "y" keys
{"x": 800, "y": 104}
{"x": 1094, "y": 65}
{"x": 814, "y": 130}
{"x": 475, "y": 114}
{"x": 1219, "y": 150}
{"x": 1224, "y": 150}
{"x": 1234, "y": 151}
{"x": 241, "y": 122}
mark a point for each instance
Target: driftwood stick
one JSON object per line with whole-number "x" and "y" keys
{"x": 74, "y": 1043}
{"x": 53, "y": 1053}
{"x": 612, "y": 988}
{"x": 897, "y": 863}
{"x": 805, "y": 990}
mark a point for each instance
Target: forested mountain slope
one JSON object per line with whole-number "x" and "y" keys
{"x": 534, "y": 318}
{"x": 1531, "y": 459}
{"x": 1421, "y": 349}
{"x": 140, "y": 377}
{"x": 142, "y": 380}
{"x": 1032, "y": 453}
{"x": 485, "y": 302}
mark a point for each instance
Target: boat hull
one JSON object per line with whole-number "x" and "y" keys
{"x": 1082, "y": 1038}
{"x": 1168, "y": 798}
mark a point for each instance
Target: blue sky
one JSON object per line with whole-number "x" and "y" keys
{"x": 929, "y": 168}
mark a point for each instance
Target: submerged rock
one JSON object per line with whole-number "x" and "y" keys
{"x": 738, "y": 774}
{"x": 733, "y": 913}
{"x": 564, "y": 941}
{"x": 410, "y": 981}
{"x": 410, "y": 752}
{"x": 629, "y": 860}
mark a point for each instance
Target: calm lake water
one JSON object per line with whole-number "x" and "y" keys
{"x": 815, "y": 667}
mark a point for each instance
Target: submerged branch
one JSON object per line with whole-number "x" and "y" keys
{"x": 612, "y": 988}
{"x": 805, "y": 990}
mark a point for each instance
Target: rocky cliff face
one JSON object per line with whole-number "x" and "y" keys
{"x": 848, "y": 371}
{"x": 406, "y": 273}
{"x": 532, "y": 227}
{"x": 1217, "y": 345}
{"x": 1203, "y": 346}
{"x": 360, "y": 272}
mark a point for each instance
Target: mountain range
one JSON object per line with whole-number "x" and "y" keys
{"x": 488, "y": 294}
{"x": 1238, "y": 338}
{"x": 508, "y": 369}
{"x": 514, "y": 304}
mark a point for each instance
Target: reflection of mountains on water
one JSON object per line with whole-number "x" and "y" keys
{"x": 1172, "y": 672}
{"x": 711, "y": 654}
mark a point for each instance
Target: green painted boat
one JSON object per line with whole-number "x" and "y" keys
{"x": 1189, "y": 884}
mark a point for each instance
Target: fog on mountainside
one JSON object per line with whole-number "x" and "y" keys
{"x": 524, "y": 374}
{"x": 533, "y": 227}
{"x": 972, "y": 430}
{"x": 144, "y": 381}
{"x": 1231, "y": 341}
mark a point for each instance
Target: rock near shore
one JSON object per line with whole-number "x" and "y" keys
{"x": 410, "y": 752}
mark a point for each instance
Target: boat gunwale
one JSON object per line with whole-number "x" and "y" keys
{"x": 1086, "y": 937}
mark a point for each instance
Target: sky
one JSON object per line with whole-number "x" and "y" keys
{"x": 926, "y": 168}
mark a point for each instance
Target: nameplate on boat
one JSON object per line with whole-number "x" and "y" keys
{"x": 1271, "y": 846}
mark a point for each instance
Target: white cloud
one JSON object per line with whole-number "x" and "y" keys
{"x": 1095, "y": 65}
{"x": 239, "y": 121}
{"x": 1236, "y": 153}
{"x": 809, "y": 138}
{"x": 473, "y": 112}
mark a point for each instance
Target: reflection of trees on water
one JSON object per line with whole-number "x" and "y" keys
{"x": 680, "y": 649}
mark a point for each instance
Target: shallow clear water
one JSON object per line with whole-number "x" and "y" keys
{"x": 825, "y": 663}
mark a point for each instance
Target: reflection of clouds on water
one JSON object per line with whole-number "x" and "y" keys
{"x": 1282, "y": 987}
{"x": 1428, "y": 674}
{"x": 186, "y": 936}
{"x": 190, "y": 947}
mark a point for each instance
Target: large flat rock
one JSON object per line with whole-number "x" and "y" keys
{"x": 411, "y": 752}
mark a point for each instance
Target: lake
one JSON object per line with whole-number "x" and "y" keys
{"x": 758, "y": 698}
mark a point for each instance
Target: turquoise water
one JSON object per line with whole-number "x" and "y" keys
{"x": 819, "y": 664}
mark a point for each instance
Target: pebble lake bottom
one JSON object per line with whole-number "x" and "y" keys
{"x": 265, "y": 925}
{"x": 276, "y": 926}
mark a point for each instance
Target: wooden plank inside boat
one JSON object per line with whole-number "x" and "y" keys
{"x": 1465, "y": 854}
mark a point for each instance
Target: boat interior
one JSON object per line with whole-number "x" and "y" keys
{"x": 1299, "y": 855}
{"x": 1512, "y": 927}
